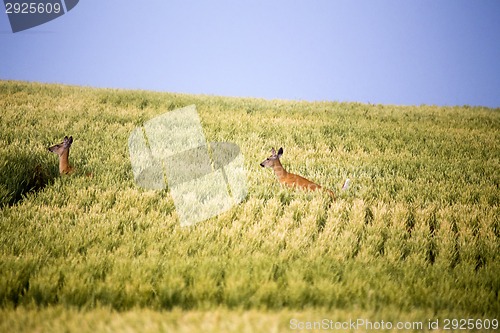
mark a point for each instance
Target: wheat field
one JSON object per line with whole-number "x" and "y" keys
{"x": 415, "y": 238}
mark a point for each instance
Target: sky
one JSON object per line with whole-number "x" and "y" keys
{"x": 410, "y": 52}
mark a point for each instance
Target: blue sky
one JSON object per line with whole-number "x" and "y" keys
{"x": 410, "y": 52}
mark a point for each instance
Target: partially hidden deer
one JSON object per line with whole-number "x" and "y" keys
{"x": 62, "y": 150}
{"x": 288, "y": 178}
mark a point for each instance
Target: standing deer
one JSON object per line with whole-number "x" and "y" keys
{"x": 288, "y": 178}
{"x": 62, "y": 149}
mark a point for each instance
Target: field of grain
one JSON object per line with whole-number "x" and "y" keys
{"x": 415, "y": 238}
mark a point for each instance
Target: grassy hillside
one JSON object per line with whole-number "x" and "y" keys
{"x": 416, "y": 237}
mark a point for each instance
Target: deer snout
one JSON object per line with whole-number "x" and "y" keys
{"x": 262, "y": 164}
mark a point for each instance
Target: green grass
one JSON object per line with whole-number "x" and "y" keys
{"x": 416, "y": 237}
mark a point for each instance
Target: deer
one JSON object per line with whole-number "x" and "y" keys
{"x": 62, "y": 150}
{"x": 288, "y": 178}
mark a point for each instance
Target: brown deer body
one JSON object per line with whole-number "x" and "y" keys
{"x": 62, "y": 150}
{"x": 288, "y": 178}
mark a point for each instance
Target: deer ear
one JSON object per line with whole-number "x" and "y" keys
{"x": 280, "y": 152}
{"x": 273, "y": 152}
{"x": 71, "y": 139}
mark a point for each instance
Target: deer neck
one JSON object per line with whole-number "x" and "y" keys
{"x": 279, "y": 171}
{"x": 64, "y": 162}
